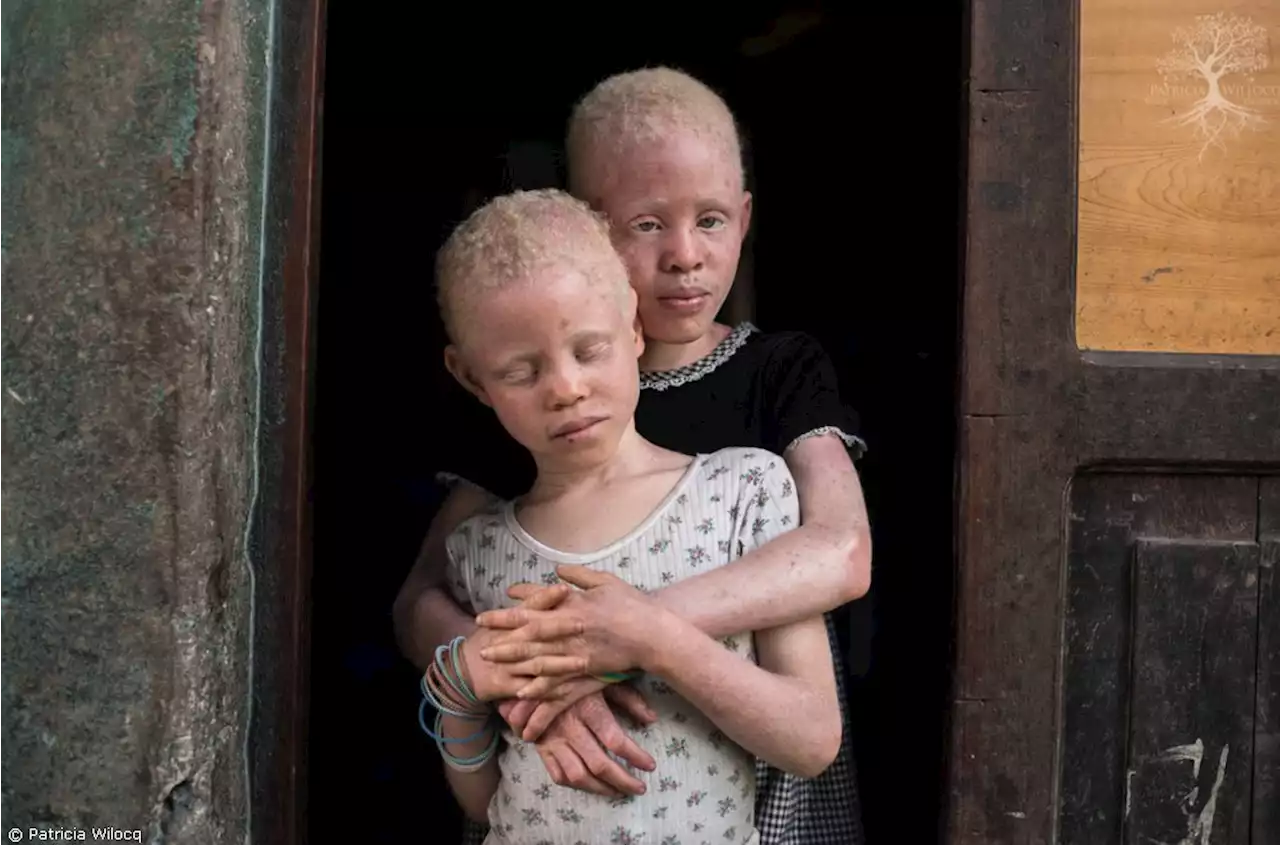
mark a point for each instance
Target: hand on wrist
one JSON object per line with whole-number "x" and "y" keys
{"x": 665, "y": 635}
{"x": 470, "y": 660}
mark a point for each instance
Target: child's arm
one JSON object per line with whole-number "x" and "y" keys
{"x": 424, "y": 614}
{"x": 797, "y": 575}
{"x": 784, "y": 711}
{"x": 473, "y": 790}
{"x": 821, "y": 565}
{"x": 826, "y": 562}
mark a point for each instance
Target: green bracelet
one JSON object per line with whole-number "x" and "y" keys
{"x": 618, "y": 677}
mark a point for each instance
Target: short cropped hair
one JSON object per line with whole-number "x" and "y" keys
{"x": 640, "y": 107}
{"x": 512, "y": 238}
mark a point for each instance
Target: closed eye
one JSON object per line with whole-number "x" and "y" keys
{"x": 523, "y": 375}
{"x": 594, "y": 351}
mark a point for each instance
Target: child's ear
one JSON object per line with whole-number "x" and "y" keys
{"x": 639, "y": 332}
{"x": 454, "y": 364}
{"x": 637, "y": 327}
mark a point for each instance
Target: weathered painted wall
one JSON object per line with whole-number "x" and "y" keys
{"x": 132, "y": 154}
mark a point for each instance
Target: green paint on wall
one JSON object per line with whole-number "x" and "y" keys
{"x": 13, "y": 156}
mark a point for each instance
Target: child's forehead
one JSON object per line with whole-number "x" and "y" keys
{"x": 560, "y": 306}
{"x": 552, "y": 293}
{"x": 681, "y": 167}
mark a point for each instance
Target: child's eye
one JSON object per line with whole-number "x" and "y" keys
{"x": 645, "y": 226}
{"x": 593, "y": 351}
{"x": 524, "y": 375}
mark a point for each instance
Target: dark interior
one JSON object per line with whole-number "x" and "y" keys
{"x": 854, "y": 131}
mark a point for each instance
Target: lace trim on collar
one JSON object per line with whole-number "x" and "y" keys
{"x": 664, "y": 379}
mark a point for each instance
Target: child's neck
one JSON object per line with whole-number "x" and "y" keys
{"x": 634, "y": 456}
{"x": 659, "y": 356}
{"x": 584, "y": 510}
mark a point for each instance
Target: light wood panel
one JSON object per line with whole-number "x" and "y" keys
{"x": 1179, "y": 176}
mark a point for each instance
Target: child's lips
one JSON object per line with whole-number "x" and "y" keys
{"x": 691, "y": 300}
{"x": 576, "y": 427}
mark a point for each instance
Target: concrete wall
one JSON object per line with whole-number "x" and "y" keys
{"x": 132, "y": 198}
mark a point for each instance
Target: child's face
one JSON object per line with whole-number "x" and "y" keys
{"x": 557, "y": 360}
{"x": 679, "y": 216}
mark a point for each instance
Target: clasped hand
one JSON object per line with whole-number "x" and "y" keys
{"x": 541, "y": 656}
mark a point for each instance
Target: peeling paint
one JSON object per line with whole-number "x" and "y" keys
{"x": 1199, "y": 822}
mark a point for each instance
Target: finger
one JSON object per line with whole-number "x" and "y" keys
{"x": 599, "y": 763}
{"x": 544, "y": 713}
{"x": 583, "y": 576}
{"x": 631, "y": 702}
{"x": 501, "y": 686}
{"x": 523, "y": 590}
{"x": 553, "y": 665}
{"x": 561, "y": 699}
{"x": 517, "y": 715}
{"x": 553, "y": 767}
{"x": 599, "y": 719}
{"x": 519, "y": 651}
{"x": 549, "y": 635}
{"x": 506, "y": 707}
{"x": 576, "y": 773}
{"x": 543, "y": 686}
{"x": 547, "y": 597}
{"x": 555, "y": 626}
{"x": 505, "y": 617}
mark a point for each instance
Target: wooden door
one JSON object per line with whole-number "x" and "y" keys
{"x": 1119, "y": 498}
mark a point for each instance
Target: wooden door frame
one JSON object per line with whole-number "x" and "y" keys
{"x": 1035, "y": 412}
{"x": 281, "y": 549}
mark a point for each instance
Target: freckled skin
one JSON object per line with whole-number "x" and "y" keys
{"x": 679, "y": 215}
{"x": 549, "y": 353}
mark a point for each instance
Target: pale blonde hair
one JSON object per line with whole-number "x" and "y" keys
{"x": 514, "y": 238}
{"x": 641, "y": 107}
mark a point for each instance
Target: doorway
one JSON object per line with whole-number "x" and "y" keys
{"x": 853, "y": 125}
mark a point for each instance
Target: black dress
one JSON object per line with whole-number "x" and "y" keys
{"x": 767, "y": 390}
{"x": 754, "y": 389}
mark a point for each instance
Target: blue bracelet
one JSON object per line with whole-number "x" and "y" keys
{"x": 453, "y": 673}
{"x": 422, "y": 723}
{"x": 470, "y": 764}
{"x": 428, "y": 695}
{"x": 448, "y": 660}
{"x": 455, "y": 653}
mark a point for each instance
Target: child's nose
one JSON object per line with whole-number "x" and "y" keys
{"x": 684, "y": 252}
{"x": 566, "y": 386}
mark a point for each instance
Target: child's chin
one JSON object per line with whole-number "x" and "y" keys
{"x": 588, "y": 449}
{"x": 678, "y": 330}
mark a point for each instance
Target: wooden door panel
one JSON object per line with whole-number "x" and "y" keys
{"x": 1118, "y": 523}
{"x": 1044, "y": 424}
{"x": 1189, "y": 764}
{"x": 1266, "y": 748}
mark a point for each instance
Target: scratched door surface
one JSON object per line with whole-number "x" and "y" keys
{"x": 1165, "y": 714}
{"x": 1117, "y": 677}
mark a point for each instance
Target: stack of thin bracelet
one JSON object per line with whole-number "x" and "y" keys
{"x": 445, "y": 688}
